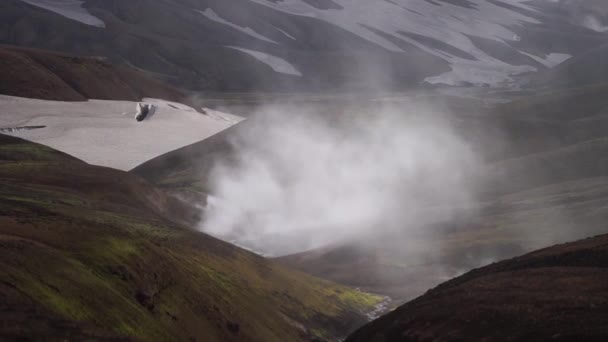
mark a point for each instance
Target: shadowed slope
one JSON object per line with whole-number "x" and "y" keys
{"x": 186, "y": 170}
{"x": 559, "y": 294}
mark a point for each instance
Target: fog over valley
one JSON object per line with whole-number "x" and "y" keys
{"x": 303, "y": 170}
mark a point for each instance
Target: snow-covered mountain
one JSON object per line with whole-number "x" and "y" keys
{"x": 287, "y": 44}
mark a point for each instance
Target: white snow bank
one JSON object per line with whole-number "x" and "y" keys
{"x": 550, "y": 60}
{"x": 593, "y": 23}
{"x": 217, "y": 115}
{"x": 277, "y": 64}
{"x": 168, "y": 104}
{"x": 105, "y": 132}
{"x": 211, "y": 15}
{"x": 212, "y": 113}
{"x": 71, "y": 9}
{"x": 477, "y": 74}
{"x": 285, "y": 33}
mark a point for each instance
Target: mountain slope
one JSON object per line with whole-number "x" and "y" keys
{"x": 56, "y": 76}
{"x": 585, "y": 69}
{"x": 187, "y": 169}
{"x": 559, "y": 294}
{"x": 242, "y": 45}
{"x": 89, "y": 252}
{"x": 534, "y": 146}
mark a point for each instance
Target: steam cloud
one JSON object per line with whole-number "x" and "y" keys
{"x": 300, "y": 180}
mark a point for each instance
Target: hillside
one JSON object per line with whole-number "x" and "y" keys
{"x": 558, "y": 294}
{"x": 93, "y": 253}
{"x": 50, "y": 75}
{"x": 187, "y": 169}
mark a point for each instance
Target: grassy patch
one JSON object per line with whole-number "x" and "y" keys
{"x": 28, "y": 151}
{"x": 82, "y": 256}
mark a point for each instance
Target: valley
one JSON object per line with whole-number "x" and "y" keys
{"x": 95, "y": 253}
{"x": 554, "y": 195}
{"x": 303, "y": 170}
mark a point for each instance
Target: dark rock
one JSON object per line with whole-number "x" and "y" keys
{"x": 233, "y": 327}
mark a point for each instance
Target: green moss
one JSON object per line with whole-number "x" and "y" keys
{"x": 44, "y": 199}
{"x": 85, "y": 258}
{"x": 217, "y": 278}
{"x": 29, "y": 200}
{"x": 357, "y": 299}
{"x": 54, "y": 300}
{"x": 128, "y": 223}
{"x": 122, "y": 247}
{"x": 28, "y": 151}
{"x": 22, "y": 167}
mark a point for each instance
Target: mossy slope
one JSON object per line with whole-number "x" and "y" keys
{"x": 87, "y": 252}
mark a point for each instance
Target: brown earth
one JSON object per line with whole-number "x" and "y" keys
{"x": 558, "y": 293}
{"x": 58, "y": 76}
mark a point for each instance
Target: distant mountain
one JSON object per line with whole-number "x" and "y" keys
{"x": 556, "y": 294}
{"x": 289, "y": 45}
{"x": 92, "y": 253}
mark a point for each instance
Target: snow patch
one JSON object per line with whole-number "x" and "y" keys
{"x": 593, "y": 23}
{"x": 99, "y": 132}
{"x": 217, "y": 115}
{"x": 479, "y": 75}
{"x": 551, "y": 60}
{"x": 211, "y": 15}
{"x": 277, "y": 64}
{"x": 168, "y": 104}
{"x": 71, "y": 9}
{"x": 285, "y": 33}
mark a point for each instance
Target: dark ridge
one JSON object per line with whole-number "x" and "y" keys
{"x": 57, "y": 76}
{"x": 558, "y": 293}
